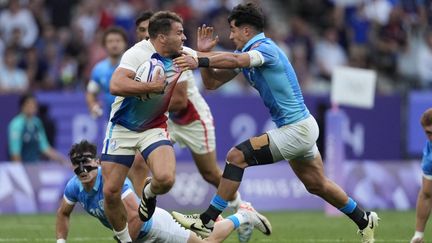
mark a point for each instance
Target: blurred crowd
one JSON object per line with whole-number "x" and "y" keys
{"x": 53, "y": 44}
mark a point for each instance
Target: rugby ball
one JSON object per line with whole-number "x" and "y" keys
{"x": 145, "y": 72}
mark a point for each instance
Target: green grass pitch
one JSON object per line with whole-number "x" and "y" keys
{"x": 287, "y": 227}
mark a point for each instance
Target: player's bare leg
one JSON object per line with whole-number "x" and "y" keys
{"x": 138, "y": 173}
{"x": 311, "y": 173}
{"x": 202, "y": 224}
{"x": 209, "y": 169}
{"x": 114, "y": 175}
{"x": 161, "y": 162}
{"x": 223, "y": 228}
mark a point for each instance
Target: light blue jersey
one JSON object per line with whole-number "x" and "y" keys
{"x": 427, "y": 159}
{"x": 101, "y": 75}
{"x": 276, "y": 82}
{"x": 92, "y": 201}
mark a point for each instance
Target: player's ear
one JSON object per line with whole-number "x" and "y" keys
{"x": 98, "y": 161}
{"x": 162, "y": 38}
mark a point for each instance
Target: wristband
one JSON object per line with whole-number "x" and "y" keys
{"x": 61, "y": 241}
{"x": 203, "y": 62}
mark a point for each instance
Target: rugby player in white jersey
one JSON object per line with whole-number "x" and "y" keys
{"x": 190, "y": 123}
{"x": 138, "y": 125}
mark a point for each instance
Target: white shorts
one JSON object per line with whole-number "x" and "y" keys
{"x": 198, "y": 136}
{"x": 295, "y": 141}
{"x": 121, "y": 144}
{"x": 165, "y": 230}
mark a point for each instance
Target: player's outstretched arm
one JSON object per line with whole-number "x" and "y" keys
{"x": 214, "y": 78}
{"x": 62, "y": 221}
{"x": 123, "y": 83}
{"x": 94, "y": 107}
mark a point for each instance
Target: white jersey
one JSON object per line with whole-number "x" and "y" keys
{"x": 140, "y": 115}
{"x": 197, "y": 108}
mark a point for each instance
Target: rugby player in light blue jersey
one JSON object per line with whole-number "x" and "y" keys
{"x": 115, "y": 43}
{"x": 268, "y": 70}
{"x": 86, "y": 189}
{"x": 424, "y": 200}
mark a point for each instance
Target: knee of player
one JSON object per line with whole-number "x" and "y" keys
{"x": 165, "y": 180}
{"x": 426, "y": 194}
{"x": 111, "y": 192}
{"x": 235, "y": 157}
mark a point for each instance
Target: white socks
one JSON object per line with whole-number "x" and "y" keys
{"x": 418, "y": 234}
{"x": 235, "y": 204}
{"x": 123, "y": 235}
{"x": 241, "y": 218}
{"x": 148, "y": 192}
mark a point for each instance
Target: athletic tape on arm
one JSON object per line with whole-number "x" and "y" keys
{"x": 256, "y": 58}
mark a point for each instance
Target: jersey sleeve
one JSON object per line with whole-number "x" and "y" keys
{"x": 127, "y": 188}
{"x": 427, "y": 153}
{"x": 71, "y": 192}
{"x": 185, "y": 76}
{"x": 15, "y": 143}
{"x": 270, "y": 54}
{"x": 130, "y": 60}
{"x": 93, "y": 85}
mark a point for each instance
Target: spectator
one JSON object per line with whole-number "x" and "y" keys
{"x": 16, "y": 17}
{"x": 12, "y": 78}
{"x": 424, "y": 64}
{"x": 27, "y": 138}
{"x": 426, "y": 12}
{"x": 329, "y": 53}
{"x": 35, "y": 66}
{"x": 378, "y": 11}
{"x": 301, "y": 38}
{"x": 391, "y": 39}
{"x": 359, "y": 25}
{"x": 60, "y": 12}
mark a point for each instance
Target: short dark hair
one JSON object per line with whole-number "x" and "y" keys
{"x": 143, "y": 17}
{"x": 24, "y": 98}
{"x": 114, "y": 30}
{"x": 160, "y": 23}
{"x": 82, "y": 147}
{"x": 249, "y": 14}
{"x": 426, "y": 118}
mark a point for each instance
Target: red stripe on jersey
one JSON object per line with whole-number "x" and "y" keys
{"x": 205, "y": 135}
{"x": 185, "y": 116}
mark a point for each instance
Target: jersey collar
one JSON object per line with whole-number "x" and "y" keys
{"x": 98, "y": 180}
{"x": 254, "y": 39}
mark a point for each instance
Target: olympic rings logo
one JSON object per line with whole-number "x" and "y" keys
{"x": 189, "y": 188}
